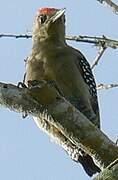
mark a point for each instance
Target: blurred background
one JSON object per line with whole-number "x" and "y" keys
{"x": 25, "y": 152}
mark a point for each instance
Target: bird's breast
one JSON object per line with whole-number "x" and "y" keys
{"x": 39, "y": 69}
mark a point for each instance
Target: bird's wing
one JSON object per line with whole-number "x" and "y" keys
{"x": 88, "y": 77}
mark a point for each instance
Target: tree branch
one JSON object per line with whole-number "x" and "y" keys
{"x": 111, "y": 172}
{"x": 110, "y": 4}
{"x": 96, "y": 40}
{"x": 99, "y": 55}
{"x": 17, "y": 36}
{"x": 18, "y": 99}
{"x": 71, "y": 124}
{"x": 106, "y": 86}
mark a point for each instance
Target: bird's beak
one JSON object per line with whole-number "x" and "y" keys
{"x": 58, "y": 14}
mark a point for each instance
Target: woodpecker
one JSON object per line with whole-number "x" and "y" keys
{"x": 52, "y": 59}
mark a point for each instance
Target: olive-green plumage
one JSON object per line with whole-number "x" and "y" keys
{"x": 52, "y": 59}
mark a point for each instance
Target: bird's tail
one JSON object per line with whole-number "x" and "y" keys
{"x": 88, "y": 164}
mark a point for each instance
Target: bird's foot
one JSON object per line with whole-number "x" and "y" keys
{"x": 21, "y": 84}
{"x": 36, "y": 83}
{"x": 24, "y": 115}
{"x": 40, "y": 83}
{"x": 117, "y": 141}
{"x": 54, "y": 84}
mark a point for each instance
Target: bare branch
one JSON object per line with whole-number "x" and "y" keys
{"x": 71, "y": 149}
{"x": 113, "y": 163}
{"x": 110, "y": 4}
{"x": 96, "y": 40}
{"x": 18, "y": 99}
{"x": 111, "y": 172}
{"x": 99, "y": 55}
{"x": 61, "y": 114}
{"x": 106, "y": 86}
{"x": 17, "y": 36}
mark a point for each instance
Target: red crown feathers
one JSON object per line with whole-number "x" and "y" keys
{"x": 45, "y": 10}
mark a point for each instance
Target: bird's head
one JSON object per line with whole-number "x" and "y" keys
{"x": 49, "y": 22}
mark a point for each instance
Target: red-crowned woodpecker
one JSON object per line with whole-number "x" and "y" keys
{"x": 52, "y": 59}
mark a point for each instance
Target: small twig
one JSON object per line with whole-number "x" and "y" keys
{"x": 85, "y": 39}
{"x": 113, "y": 164}
{"x": 106, "y": 86}
{"x": 99, "y": 55}
{"x": 111, "y": 4}
{"x": 96, "y": 40}
{"x": 17, "y": 36}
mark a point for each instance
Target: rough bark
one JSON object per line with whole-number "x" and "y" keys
{"x": 71, "y": 124}
{"x": 109, "y": 173}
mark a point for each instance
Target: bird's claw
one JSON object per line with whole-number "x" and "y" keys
{"x": 117, "y": 141}
{"x": 24, "y": 115}
{"x": 21, "y": 84}
{"x": 36, "y": 83}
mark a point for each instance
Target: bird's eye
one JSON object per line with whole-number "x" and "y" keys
{"x": 42, "y": 18}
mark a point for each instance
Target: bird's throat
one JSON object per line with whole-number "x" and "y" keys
{"x": 44, "y": 43}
